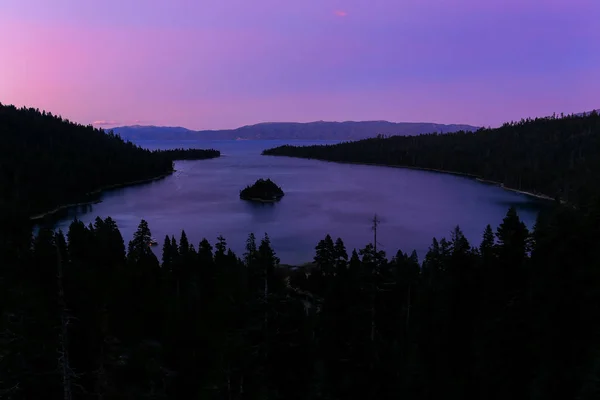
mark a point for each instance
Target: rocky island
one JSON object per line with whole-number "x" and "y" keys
{"x": 262, "y": 190}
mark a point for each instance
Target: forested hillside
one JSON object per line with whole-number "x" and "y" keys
{"x": 46, "y": 161}
{"x": 83, "y": 315}
{"x": 512, "y": 317}
{"x": 555, "y": 156}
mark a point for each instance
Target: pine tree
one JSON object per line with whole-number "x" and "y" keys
{"x": 174, "y": 248}
{"x": 251, "y": 250}
{"x": 252, "y": 263}
{"x": 325, "y": 256}
{"x": 459, "y": 245}
{"x": 414, "y": 258}
{"x": 221, "y": 252}
{"x": 78, "y": 243}
{"x": 354, "y": 266}
{"x": 205, "y": 253}
{"x": 139, "y": 247}
{"x": 373, "y": 260}
{"x": 340, "y": 256}
{"x": 184, "y": 245}
{"x": 61, "y": 244}
{"x": 513, "y": 238}
{"x": 167, "y": 254}
{"x": 487, "y": 244}
{"x": 268, "y": 260}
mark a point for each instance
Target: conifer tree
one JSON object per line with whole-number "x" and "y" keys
{"x": 205, "y": 253}
{"x": 325, "y": 256}
{"x": 268, "y": 260}
{"x": 174, "y": 248}
{"x": 221, "y": 252}
{"x": 513, "y": 239}
{"x": 184, "y": 245}
{"x": 251, "y": 251}
{"x": 340, "y": 255}
{"x": 139, "y": 246}
{"x": 167, "y": 254}
{"x": 487, "y": 244}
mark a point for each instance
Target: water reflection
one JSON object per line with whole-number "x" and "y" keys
{"x": 202, "y": 198}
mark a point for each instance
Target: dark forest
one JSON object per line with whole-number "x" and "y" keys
{"x": 511, "y": 317}
{"x": 85, "y": 315}
{"x": 47, "y": 161}
{"x": 557, "y": 156}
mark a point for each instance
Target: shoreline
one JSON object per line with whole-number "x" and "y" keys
{"x": 256, "y": 199}
{"x": 540, "y": 196}
{"x": 132, "y": 183}
{"x": 99, "y": 191}
{"x": 384, "y": 165}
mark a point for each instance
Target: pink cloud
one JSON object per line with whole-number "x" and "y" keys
{"x": 112, "y": 122}
{"x": 340, "y": 13}
{"x": 104, "y": 122}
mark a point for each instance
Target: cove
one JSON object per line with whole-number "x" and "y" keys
{"x": 202, "y": 198}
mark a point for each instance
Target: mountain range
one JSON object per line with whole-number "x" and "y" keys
{"x": 320, "y": 130}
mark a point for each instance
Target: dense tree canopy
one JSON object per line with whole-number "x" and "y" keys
{"x": 85, "y": 316}
{"x": 555, "y": 156}
{"x": 263, "y": 190}
{"x": 47, "y": 161}
{"x": 190, "y": 154}
{"x": 514, "y": 317}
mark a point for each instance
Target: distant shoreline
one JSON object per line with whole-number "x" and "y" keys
{"x": 98, "y": 191}
{"x": 540, "y": 196}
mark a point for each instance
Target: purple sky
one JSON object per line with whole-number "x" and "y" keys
{"x": 210, "y": 64}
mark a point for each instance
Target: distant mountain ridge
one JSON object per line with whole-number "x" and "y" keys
{"x": 318, "y": 130}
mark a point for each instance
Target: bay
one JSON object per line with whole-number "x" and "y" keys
{"x": 202, "y": 198}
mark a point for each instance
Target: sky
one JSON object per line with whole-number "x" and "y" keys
{"x": 218, "y": 64}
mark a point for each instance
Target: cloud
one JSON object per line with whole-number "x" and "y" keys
{"x": 103, "y": 122}
{"x": 340, "y": 13}
{"x": 108, "y": 122}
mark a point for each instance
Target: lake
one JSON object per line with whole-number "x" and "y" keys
{"x": 202, "y": 198}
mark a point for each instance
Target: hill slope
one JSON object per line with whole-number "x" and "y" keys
{"x": 46, "y": 161}
{"x": 558, "y": 157}
{"x": 320, "y": 130}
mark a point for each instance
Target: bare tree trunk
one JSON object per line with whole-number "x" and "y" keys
{"x": 101, "y": 382}
{"x": 266, "y": 294}
{"x": 63, "y": 359}
{"x": 229, "y": 394}
{"x": 407, "y": 310}
{"x": 373, "y": 328}
{"x": 101, "y": 379}
{"x": 373, "y": 319}
{"x": 266, "y": 321}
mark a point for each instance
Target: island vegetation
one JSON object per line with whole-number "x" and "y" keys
{"x": 555, "y": 156}
{"x": 263, "y": 190}
{"x": 47, "y": 161}
{"x": 85, "y": 315}
{"x": 190, "y": 154}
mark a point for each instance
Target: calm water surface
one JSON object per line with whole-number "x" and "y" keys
{"x": 202, "y": 198}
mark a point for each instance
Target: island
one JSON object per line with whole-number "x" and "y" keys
{"x": 265, "y": 191}
{"x": 189, "y": 154}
